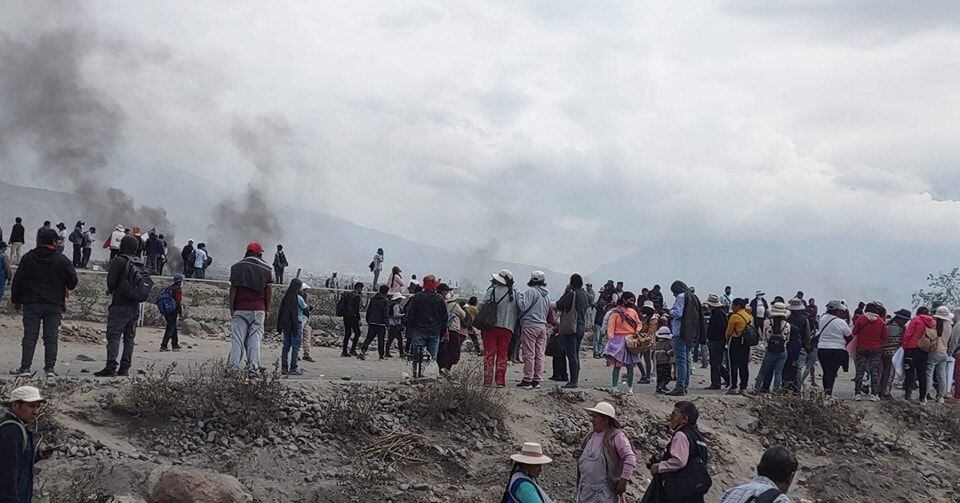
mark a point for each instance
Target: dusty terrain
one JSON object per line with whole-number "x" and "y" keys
{"x": 351, "y": 430}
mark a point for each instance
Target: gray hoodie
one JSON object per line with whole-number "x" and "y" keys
{"x": 507, "y": 308}
{"x": 533, "y": 304}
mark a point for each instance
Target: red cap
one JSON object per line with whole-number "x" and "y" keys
{"x": 430, "y": 283}
{"x": 255, "y": 247}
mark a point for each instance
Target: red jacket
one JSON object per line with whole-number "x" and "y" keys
{"x": 870, "y": 334}
{"x": 915, "y": 330}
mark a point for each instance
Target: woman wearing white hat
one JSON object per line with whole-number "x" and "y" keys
{"x": 937, "y": 359}
{"x": 496, "y": 339}
{"x": 776, "y": 333}
{"x": 606, "y": 460}
{"x": 527, "y": 466}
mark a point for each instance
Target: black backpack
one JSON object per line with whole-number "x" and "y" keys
{"x": 693, "y": 480}
{"x": 342, "y": 306}
{"x": 777, "y": 342}
{"x": 768, "y": 496}
{"x": 749, "y": 337}
{"x": 135, "y": 284}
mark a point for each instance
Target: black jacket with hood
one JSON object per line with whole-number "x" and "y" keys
{"x": 427, "y": 313}
{"x": 129, "y": 247}
{"x": 691, "y": 324}
{"x": 43, "y": 277}
{"x": 378, "y": 309}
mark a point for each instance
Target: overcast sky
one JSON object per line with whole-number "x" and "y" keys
{"x": 563, "y": 133}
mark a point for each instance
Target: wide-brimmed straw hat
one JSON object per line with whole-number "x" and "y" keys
{"x": 531, "y": 454}
{"x": 942, "y": 313}
{"x": 605, "y": 409}
{"x": 713, "y": 300}
{"x": 795, "y": 304}
{"x": 779, "y": 309}
{"x": 503, "y": 277}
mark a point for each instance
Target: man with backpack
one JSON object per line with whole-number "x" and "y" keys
{"x": 18, "y": 452}
{"x": 774, "y": 477}
{"x": 129, "y": 284}
{"x": 170, "y": 305}
{"x": 279, "y": 264}
{"x": 348, "y": 308}
{"x": 250, "y": 280}
{"x": 681, "y": 474}
{"x": 39, "y": 289}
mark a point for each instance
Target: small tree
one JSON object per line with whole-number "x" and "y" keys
{"x": 943, "y": 289}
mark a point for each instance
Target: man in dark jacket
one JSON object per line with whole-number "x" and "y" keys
{"x": 186, "y": 255}
{"x": 123, "y": 312}
{"x": 686, "y": 325}
{"x": 427, "y": 317}
{"x": 717, "y": 339}
{"x": 16, "y": 241}
{"x": 572, "y": 303}
{"x": 279, "y": 264}
{"x": 39, "y": 289}
{"x": 351, "y": 319}
{"x": 250, "y": 280}
{"x": 656, "y": 297}
{"x": 154, "y": 248}
{"x": 378, "y": 312}
{"x": 17, "y": 450}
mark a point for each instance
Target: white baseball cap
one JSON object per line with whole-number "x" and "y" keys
{"x": 25, "y": 394}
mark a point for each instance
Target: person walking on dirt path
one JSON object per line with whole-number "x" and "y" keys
{"x": 395, "y": 325}
{"x": 496, "y": 339}
{"x": 305, "y": 311}
{"x": 937, "y": 358}
{"x": 533, "y": 304}
{"x": 348, "y": 307}
{"x": 894, "y": 340}
{"x": 605, "y": 459}
{"x": 250, "y": 295}
{"x": 870, "y": 331}
{"x": 16, "y": 240}
{"x": 572, "y": 307}
{"x": 834, "y": 336}
{"x": 776, "y": 333}
{"x": 114, "y": 241}
{"x": 624, "y": 324}
{"x": 449, "y": 353}
{"x": 427, "y": 320}
{"x": 527, "y": 466}
{"x": 123, "y": 278}
{"x": 18, "y": 450}
{"x": 376, "y": 266}
{"x": 378, "y": 312}
{"x": 6, "y": 276}
{"x": 87, "y": 240}
{"x": 717, "y": 339}
{"x": 288, "y": 324}
{"x": 39, "y": 290}
{"x": 684, "y": 461}
{"x": 279, "y": 264}
{"x": 686, "y": 325}
{"x": 186, "y": 256}
{"x": 775, "y": 473}
{"x": 737, "y": 350}
{"x": 170, "y": 333}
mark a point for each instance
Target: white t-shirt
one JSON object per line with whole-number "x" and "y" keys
{"x": 833, "y": 332}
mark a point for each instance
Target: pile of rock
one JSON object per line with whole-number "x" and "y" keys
{"x": 80, "y": 333}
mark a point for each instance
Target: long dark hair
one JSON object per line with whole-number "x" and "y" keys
{"x": 941, "y": 325}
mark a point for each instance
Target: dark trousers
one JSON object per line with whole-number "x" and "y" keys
{"x": 718, "y": 360}
{"x": 33, "y": 316}
{"x": 571, "y": 347}
{"x": 886, "y": 375}
{"x": 560, "y": 367}
{"x": 351, "y": 326}
{"x": 831, "y": 360}
{"x": 85, "y": 257}
{"x": 77, "y": 255}
{"x": 114, "y": 252}
{"x": 121, "y": 324}
{"x": 739, "y": 363}
{"x": 663, "y": 375}
{"x": 395, "y": 333}
{"x": 514, "y": 351}
{"x": 378, "y": 331}
{"x": 915, "y": 369}
{"x": 170, "y": 332}
{"x": 476, "y": 343}
{"x": 278, "y": 272}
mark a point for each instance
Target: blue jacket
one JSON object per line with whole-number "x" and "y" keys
{"x": 17, "y": 455}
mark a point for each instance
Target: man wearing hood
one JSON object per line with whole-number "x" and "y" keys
{"x": 39, "y": 290}
{"x": 115, "y": 237}
{"x": 250, "y": 281}
{"x": 533, "y": 303}
{"x": 427, "y": 320}
{"x": 123, "y": 313}
{"x": 686, "y": 324}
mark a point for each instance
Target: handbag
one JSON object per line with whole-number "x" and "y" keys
{"x": 554, "y": 345}
{"x": 487, "y": 317}
{"x": 568, "y": 322}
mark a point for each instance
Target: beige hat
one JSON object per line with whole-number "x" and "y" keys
{"x": 795, "y": 304}
{"x": 943, "y": 313}
{"x": 25, "y": 394}
{"x": 779, "y": 309}
{"x": 648, "y": 304}
{"x": 605, "y": 409}
{"x": 503, "y": 276}
{"x": 538, "y": 276}
{"x": 531, "y": 454}
{"x": 713, "y": 300}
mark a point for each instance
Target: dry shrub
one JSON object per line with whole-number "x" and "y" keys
{"x": 567, "y": 396}
{"x": 207, "y": 393}
{"x": 88, "y": 488}
{"x": 462, "y": 394}
{"x": 810, "y": 420}
{"x": 349, "y": 411}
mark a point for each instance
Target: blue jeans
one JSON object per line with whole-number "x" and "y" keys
{"x": 682, "y": 353}
{"x": 430, "y": 342}
{"x": 291, "y": 346}
{"x": 770, "y": 370}
{"x": 598, "y": 338}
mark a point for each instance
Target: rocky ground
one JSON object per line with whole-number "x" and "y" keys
{"x": 351, "y": 430}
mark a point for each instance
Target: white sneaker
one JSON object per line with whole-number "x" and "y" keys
{"x": 873, "y": 398}
{"x": 940, "y": 400}
{"x": 630, "y": 390}
{"x": 857, "y": 397}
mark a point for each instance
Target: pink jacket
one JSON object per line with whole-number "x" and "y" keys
{"x": 915, "y": 330}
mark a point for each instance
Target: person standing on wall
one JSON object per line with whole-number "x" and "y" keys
{"x": 279, "y": 264}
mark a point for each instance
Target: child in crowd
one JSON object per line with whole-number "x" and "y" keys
{"x": 663, "y": 356}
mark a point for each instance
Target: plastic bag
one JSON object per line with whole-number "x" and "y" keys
{"x": 898, "y": 363}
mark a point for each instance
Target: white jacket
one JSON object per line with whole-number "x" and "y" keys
{"x": 115, "y": 239}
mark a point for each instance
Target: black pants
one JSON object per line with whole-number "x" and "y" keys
{"x": 278, "y": 272}
{"x": 395, "y": 333}
{"x": 114, "y": 252}
{"x": 121, "y": 324}
{"x": 739, "y": 363}
{"x": 560, "y": 367}
{"x": 77, "y": 255}
{"x": 85, "y": 257}
{"x": 50, "y": 315}
{"x": 378, "y": 331}
{"x": 831, "y": 360}
{"x": 476, "y": 343}
{"x": 170, "y": 334}
{"x": 161, "y": 261}
{"x": 915, "y": 369}
{"x": 718, "y": 360}
{"x": 351, "y": 326}
{"x": 571, "y": 347}
{"x": 514, "y": 351}
{"x": 663, "y": 375}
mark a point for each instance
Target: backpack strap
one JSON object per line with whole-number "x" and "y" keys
{"x": 768, "y": 496}
{"x": 23, "y": 432}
